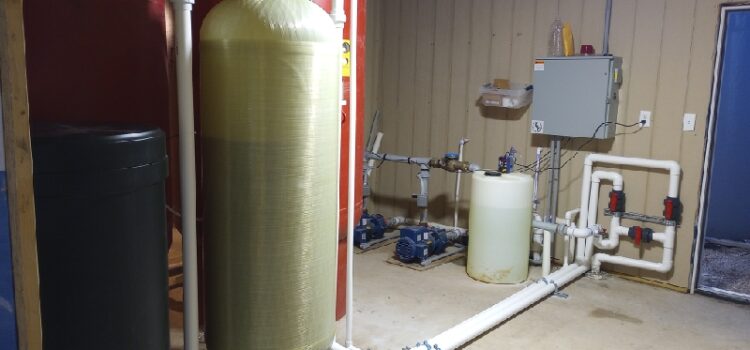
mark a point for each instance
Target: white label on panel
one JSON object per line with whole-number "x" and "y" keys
{"x": 537, "y": 126}
{"x": 539, "y": 65}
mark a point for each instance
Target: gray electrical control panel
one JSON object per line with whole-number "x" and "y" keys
{"x": 576, "y": 96}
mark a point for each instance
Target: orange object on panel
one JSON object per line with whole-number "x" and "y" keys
{"x": 361, "y": 25}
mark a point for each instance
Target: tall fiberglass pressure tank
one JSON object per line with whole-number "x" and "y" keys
{"x": 499, "y": 226}
{"x": 269, "y": 117}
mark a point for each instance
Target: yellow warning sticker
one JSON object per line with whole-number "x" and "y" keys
{"x": 346, "y": 54}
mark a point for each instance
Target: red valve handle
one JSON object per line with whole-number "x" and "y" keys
{"x": 638, "y": 236}
{"x": 612, "y": 202}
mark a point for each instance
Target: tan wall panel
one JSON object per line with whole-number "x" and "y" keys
{"x": 436, "y": 54}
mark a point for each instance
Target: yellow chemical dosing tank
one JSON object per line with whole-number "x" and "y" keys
{"x": 499, "y": 227}
{"x": 269, "y": 123}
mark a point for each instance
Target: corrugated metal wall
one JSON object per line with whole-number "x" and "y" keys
{"x": 429, "y": 57}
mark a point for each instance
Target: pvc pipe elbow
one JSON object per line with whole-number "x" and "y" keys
{"x": 571, "y": 213}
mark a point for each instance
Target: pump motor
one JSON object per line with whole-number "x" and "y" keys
{"x": 417, "y": 243}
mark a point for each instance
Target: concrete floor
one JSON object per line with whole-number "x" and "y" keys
{"x": 396, "y": 307}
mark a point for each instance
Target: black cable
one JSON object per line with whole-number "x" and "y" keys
{"x": 592, "y": 138}
{"x": 589, "y": 140}
{"x": 382, "y": 160}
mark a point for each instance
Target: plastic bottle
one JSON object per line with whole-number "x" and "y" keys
{"x": 568, "y": 45}
{"x": 555, "y": 48}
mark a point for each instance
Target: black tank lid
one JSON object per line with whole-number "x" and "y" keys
{"x": 87, "y": 146}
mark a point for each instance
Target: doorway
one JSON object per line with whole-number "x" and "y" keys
{"x": 723, "y": 254}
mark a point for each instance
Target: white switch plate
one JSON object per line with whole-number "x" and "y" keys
{"x": 688, "y": 122}
{"x": 645, "y": 115}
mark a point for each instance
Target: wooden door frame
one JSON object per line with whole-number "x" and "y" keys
{"x": 18, "y": 162}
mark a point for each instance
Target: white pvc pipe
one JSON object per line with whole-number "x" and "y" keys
{"x": 337, "y": 346}
{"x": 596, "y": 178}
{"x": 584, "y": 211}
{"x": 487, "y": 319}
{"x": 667, "y": 239}
{"x": 542, "y": 239}
{"x": 672, "y": 166}
{"x": 578, "y": 232}
{"x": 338, "y": 15}
{"x": 457, "y": 192}
{"x": 184, "y": 39}
{"x": 353, "y": 8}
{"x": 674, "y": 183}
{"x": 375, "y": 149}
{"x": 547, "y": 253}
{"x": 460, "y": 231}
{"x": 615, "y": 231}
{"x": 569, "y": 243}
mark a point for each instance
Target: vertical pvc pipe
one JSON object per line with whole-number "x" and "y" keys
{"x": 338, "y": 16}
{"x": 339, "y": 19}
{"x": 457, "y": 191}
{"x": 184, "y": 38}
{"x": 353, "y": 10}
{"x": 607, "y": 21}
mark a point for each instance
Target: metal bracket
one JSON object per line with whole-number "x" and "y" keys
{"x": 425, "y": 344}
{"x": 557, "y": 292}
{"x": 642, "y": 217}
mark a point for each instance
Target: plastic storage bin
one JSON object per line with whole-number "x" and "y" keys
{"x": 518, "y": 96}
{"x": 101, "y": 236}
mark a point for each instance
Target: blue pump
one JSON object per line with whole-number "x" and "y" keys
{"x": 417, "y": 243}
{"x": 370, "y": 227}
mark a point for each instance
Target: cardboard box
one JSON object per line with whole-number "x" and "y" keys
{"x": 501, "y": 84}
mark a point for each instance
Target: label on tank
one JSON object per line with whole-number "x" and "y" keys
{"x": 425, "y": 252}
{"x": 426, "y": 236}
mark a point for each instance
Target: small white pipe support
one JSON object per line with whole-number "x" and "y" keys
{"x": 546, "y": 253}
{"x": 184, "y": 59}
{"x": 666, "y": 238}
{"x": 352, "y": 171}
{"x": 457, "y": 192}
{"x": 473, "y": 327}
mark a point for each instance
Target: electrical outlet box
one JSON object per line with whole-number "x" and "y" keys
{"x": 688, "y": 122}
{"x": 576, "y": 96}
{"x": 645, "y": 119}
